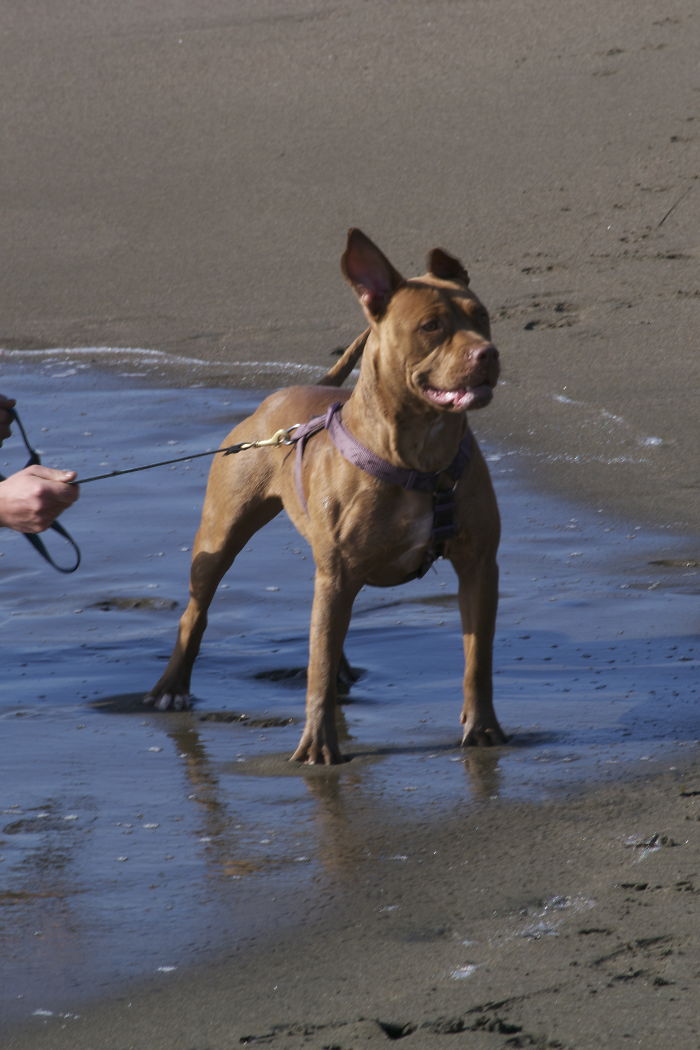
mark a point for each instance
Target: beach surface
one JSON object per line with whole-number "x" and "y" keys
{"x": 175, "y": 188}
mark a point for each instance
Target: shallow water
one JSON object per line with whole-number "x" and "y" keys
{"x": 132, "y": 842}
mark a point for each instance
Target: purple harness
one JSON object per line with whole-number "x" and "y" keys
{"x": 444, "y": 507}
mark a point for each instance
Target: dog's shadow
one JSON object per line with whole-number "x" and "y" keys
{"x": 297, "y": 676}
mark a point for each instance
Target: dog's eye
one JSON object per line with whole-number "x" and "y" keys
{"x": 431, "y": 326}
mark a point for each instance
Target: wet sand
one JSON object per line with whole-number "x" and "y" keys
{"x": 440, "y": 945}
{"x": 181, "y": 182}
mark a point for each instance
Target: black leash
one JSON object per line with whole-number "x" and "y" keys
{"x": 281, "y": 437}
{"x": 227, "y": 451}
{"x": 36, "y": 541}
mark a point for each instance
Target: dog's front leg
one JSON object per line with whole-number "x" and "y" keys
{"x": 330, "y": 617}
{"x": 478, "y": 602}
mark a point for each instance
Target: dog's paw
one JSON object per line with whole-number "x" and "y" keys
{"x": 315, "y": 752}
{"x": 483, "y": 734}
{"x": 317, "y": 756}
{"x": 168, "y": 701}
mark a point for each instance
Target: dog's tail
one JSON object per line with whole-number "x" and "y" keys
{"x": 345, "y": 363}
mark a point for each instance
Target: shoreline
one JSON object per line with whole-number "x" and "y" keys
{"x": 631, "y": 485}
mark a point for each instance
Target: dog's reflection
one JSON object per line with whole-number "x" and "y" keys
{"x": 346, "y": 821}
{"x": 350, "y": 809}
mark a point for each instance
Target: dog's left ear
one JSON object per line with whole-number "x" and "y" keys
{"x": 446, "y": 267}
{"x": 370, "y": 273}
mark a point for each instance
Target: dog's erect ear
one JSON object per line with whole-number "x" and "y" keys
{"x": 370, "y": 273}
{"x": 446, "y": 267}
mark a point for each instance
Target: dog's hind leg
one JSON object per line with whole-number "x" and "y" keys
{"x": 235, "y": 508}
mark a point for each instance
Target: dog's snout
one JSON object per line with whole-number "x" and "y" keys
{"x": 484, "y": 354}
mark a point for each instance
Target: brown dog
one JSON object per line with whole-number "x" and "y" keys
{"x": 380, "y": 495}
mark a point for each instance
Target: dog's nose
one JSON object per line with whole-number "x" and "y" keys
{"x": 484, "y": 354}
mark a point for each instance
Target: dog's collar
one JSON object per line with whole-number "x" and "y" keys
{"x": 444, "y": 523}
{"x": 417, "y": 480}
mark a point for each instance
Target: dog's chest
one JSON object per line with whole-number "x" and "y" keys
{"x": 387, "y": 539}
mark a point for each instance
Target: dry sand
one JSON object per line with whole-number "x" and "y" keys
{"x": 181, "y": 179}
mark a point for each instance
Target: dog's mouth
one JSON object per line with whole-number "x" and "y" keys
{"x": 461, "y": 399}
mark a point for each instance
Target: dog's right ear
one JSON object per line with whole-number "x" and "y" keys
{"x": 370, "y": 273}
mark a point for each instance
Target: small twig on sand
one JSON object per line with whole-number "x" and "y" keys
{"x": 675, "y": 205}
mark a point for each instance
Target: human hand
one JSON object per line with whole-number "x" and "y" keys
{"x": 6, "y": 403}
{"x": 32, "y": 498}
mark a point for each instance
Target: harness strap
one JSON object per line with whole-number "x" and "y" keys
{"x": 444, "y": 506}
{"x": 299, "y": 438}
